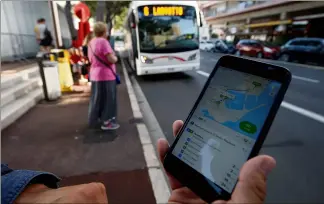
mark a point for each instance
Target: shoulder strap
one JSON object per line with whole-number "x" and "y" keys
{"x": 102, "y": 61}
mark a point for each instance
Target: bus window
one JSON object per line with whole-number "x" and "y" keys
{"x": 167, "y": 28}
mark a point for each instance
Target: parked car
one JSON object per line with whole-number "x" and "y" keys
{"x": 303, "y": 49}
{"x": 256, "y": 48}
{"x": 224, "y": 46}
{"x": 206, "y": 45}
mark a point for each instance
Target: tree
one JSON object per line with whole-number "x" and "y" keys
{"x": 119, "y": 19}
{"x": 214, "y": 35}
{"x": 113, "y": 9}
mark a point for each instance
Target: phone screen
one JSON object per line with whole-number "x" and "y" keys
{"x": 225, "y": 125}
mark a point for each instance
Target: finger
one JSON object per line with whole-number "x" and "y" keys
{"x": 176, "y": 127}
{"x": 251, "y": 186}
{"x": 162, "y": 148}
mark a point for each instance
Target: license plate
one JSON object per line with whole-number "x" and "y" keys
{"x": 170, "y": 69}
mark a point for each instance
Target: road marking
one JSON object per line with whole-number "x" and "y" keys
{"x": 159, "y": 183}
{"x": 303, "y": 112}
{"x": 305, "y": 79}
{"x": 289, "y": 106}
{"x": 203, "y": 73}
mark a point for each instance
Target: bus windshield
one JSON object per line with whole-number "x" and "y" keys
{"x": 167, "y": 28}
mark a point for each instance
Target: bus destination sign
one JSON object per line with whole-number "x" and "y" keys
{"x": 163, "y": 10}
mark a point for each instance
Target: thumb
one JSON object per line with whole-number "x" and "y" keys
{"x": 251, "y": 186}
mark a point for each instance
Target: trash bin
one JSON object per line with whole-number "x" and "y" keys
{"x": 50, "y": 77}
{"x": 64, "y": 69}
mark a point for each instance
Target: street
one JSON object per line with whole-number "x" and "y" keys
{"x": 296, "y": 137}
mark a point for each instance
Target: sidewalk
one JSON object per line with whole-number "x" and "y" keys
{"x": 54, "y": 137}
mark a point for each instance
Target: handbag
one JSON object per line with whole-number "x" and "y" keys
{"x": 118, "y": 81}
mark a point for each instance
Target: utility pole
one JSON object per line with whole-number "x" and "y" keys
{"x": 101, "y": 5}
{"x": 69, "y": 19}
{"x": 56, "y": 23}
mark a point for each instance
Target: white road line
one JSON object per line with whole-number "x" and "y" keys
{"x": 289, "y": 106}
{"x": 305, "y": 79}
{"x": 159, "y": 183}
{"x": 203, "y": 73}
{"x": 303, "y": 112}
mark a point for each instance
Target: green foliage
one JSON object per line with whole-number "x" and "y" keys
{"x": 92, "y": 6}
{"x": 214, "y": 35}
{"x": 119, "y": 19}
{"x": 113, "y": 8}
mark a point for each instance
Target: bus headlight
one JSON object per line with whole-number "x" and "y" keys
{"x": 192, "y": 57}
{"x": 146, "y": 60}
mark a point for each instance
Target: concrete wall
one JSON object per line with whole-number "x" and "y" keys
{"x": 18, "y": 19}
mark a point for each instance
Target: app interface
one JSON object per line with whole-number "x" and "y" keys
{"x": 225, "y": 125}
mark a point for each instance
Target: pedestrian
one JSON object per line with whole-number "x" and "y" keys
{"x": 43, "y": 35}
{"x": 103, "y": 101}
{"x": 111, "y": 40}
{"x": 75, "y": 61}
{"x": 85, "y": 44}
{"x": 24, "y": 186}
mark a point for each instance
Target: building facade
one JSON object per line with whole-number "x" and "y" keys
{"x": 18, "y": 20}
{"x": 275, "y": 20}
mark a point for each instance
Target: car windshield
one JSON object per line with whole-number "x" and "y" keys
{"x": 266, "y": 43}
{"x": 227, "y": 42}
{"x": 168, "y": 33}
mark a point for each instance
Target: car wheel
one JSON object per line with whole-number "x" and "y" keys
{"x": 259, "y": 55}
{"x": 285, "y": 57}
{"x": 238, "y": 53}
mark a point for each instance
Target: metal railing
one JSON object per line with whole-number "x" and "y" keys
{"x": 16, "y": 47}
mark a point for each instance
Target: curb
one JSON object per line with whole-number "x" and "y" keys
{"x": 159, "y": 184}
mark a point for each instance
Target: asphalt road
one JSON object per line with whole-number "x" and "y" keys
{"x": 296, "y": 139}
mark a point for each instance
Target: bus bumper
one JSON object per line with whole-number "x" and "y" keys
{"x": 167, "y": 69}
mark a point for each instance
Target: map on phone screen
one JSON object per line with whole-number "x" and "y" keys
{"x": 225, "y": 125}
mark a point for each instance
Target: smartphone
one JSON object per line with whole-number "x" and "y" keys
{"x": 227, "y": 125}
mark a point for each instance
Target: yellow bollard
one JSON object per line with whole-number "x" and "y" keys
{"x": 65, "y": 74}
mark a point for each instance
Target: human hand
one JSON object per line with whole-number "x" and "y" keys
{"x": 250, "y": 188}
{"x": 85, "y": 193}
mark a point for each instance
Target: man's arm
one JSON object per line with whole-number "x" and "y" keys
{"x": 25, "y": 186}
{"x": 37, "y": 33}
{"x": 112, "y": 58}
{"x": 14, "y": 182}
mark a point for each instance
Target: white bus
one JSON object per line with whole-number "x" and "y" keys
{"x": 163, "y": 36}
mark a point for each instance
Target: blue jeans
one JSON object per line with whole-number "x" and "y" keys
{"x": 14, "y": 182}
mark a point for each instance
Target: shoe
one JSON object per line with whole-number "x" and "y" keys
{"x": 110, "y": 125}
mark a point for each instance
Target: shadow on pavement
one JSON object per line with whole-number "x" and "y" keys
{"x": 165, "y": 77}
{"x": 98, "y": 136}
